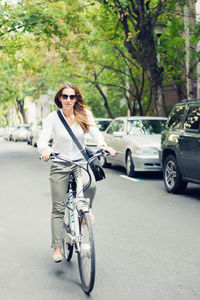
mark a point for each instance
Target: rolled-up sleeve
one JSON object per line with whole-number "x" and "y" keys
{"x": 45, "y": 134}
{"x": 94, "y": 131}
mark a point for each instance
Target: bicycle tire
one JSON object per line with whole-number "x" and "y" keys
{"x": 67, "y": 249}
{"x": 86, "y": 256}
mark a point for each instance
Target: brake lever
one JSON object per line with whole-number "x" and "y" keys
{"x": 104, "y": 152}
{"x": 53, "y": 155}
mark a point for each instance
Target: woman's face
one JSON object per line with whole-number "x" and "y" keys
{"x": 68, "y": 98}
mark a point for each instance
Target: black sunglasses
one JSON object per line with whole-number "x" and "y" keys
{"x": 65, "y": 97}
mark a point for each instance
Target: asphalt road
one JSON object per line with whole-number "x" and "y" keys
{"x": 147, "y": 241}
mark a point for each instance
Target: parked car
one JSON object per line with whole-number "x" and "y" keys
{"x": 180, "y": 146}
{"x": 8, "y": 134}
{"x": 136, "y": 140}
{"x": 29, "y": 136}
{"x": 2, "y": 131}
{"x": 21, "y": 132}
{"x": 34, "y": 134}
{"x": 102, "y": 124}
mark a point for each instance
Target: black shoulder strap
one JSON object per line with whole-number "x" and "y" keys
{"x": 83, "y": 152}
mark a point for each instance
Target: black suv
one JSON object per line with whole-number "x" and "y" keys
{"x": 180, "y": 146}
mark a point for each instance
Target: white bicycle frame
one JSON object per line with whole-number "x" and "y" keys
{"x": 71, "y": 213}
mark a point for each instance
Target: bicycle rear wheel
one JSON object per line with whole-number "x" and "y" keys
{"x": 86, "y": 256}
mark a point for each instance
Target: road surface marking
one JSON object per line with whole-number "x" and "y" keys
{"x": 129, "y": 178}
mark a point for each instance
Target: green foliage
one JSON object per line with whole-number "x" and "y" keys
{"x": 45, "y": 43}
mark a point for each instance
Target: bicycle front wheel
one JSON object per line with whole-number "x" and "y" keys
{"x": 67, "y": 246}
{"x": 67, "y": 250}
{"x": 86, "y": 256}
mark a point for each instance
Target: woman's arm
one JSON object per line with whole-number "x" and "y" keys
{"x": 45, "y": 135}
{"x": 94, "y": 131}
{"x": 97, "y": 136}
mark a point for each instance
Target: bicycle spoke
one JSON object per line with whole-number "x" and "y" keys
{"x": 86, "y": 257}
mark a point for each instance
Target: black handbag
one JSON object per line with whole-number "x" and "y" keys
{"x": 95, "y": 164}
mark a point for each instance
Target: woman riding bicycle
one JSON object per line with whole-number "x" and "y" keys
{"x": 78, "y": 116}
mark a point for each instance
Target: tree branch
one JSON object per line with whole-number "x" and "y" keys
{"x": 21, "y": 26}
{"x": 134, "y": 7}
{"x": 159, "y": 8}
{"x": 148, "y": 106}
{"x": 142, "y": 85}
{"x": 128, "y": 59}
{"x": 109, "y": 68}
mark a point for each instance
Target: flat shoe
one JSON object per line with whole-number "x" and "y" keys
{"x": 92, "y": 217}
{"x": 57, "y": 258}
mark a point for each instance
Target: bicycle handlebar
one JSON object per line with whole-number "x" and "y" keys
{"x": 99, "y": 153}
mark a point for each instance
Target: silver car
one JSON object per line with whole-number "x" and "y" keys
{"x": 102, "y": 124}
{"x": 36, "y": 130}
{"x": 8, "y": 134}
{"x": 35, "y": 134}
{"x": 21, "y": 132}
{"x": 137, "y": 141}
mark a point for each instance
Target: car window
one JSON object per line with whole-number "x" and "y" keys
{"x": 23, "y": 126}
{"x": 120, "y": 126}
{"x": 102, "y": 124}
{"x": 174, "y": 121}
{"x": 193, "y": 118}
{"x": 141, "y": 127}
{"x": 117, "y": 125}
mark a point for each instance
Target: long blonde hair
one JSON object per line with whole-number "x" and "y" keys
{"x": 80, "y": 107}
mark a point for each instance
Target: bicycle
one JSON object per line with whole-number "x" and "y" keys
{"x": 78, "y": 233}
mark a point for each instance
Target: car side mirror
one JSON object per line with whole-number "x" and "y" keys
{"x": 118, "y": 134}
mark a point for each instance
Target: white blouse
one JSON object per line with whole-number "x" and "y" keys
{"x": 62, "y": 141}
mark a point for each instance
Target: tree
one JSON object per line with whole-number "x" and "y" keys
{"x": 138, "y": 19}
{"x": 107, "y": 47}
{"x": 173, "y": 50}
{"x": 107, "y": 64}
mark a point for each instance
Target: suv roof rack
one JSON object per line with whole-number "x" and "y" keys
{"x": 190, "y": 100}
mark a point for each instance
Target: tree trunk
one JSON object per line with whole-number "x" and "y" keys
{"x": 134, "y": 101}
{"x": 105, "y": 101}
{"x": 21, "y": 110}
{"x": 142, "y": 45}
{"x": 153, "y": 70}
{"x": 150, "y": 66}
{"x": 180, "y": 90}
{"x": 158, "y": 97}
{"x": 6, "y": 118}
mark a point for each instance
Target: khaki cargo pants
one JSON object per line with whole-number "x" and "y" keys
{"x": 59, "y": 178}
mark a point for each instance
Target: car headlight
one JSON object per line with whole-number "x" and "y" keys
{"x": 137, "y": 151}
{"x": 150, "y": 151}
{"x": 145, "y": 151}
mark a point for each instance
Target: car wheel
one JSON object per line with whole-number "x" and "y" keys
{"x": 34, "y": 144}
{"x": 129, "y": 165}
{"x": 172, "y": 176}
{"x": 104, "y": 162}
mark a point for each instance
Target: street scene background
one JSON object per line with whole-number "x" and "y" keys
{"x": 128, "y": 58}
{"x": 147, "y": 241}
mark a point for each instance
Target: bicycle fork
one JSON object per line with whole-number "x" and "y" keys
{"x": 73, "y": 222}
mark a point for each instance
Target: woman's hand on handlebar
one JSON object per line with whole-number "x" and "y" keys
{"x": 109, "y": 149}
{"x": 46, "y": 153}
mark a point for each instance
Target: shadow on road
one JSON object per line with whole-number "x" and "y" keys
{"x": 66, "y": 272}
{"x": 193, "y": 191}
